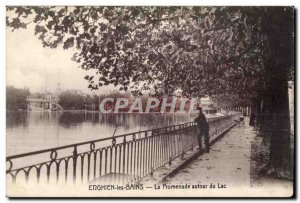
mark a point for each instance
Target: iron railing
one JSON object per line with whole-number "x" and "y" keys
{"x": 133, "y": 155}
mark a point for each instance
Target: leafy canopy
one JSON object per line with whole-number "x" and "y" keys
{"x": 191, "y": 51}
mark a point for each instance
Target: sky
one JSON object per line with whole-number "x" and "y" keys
{"x": 31, "y": 65}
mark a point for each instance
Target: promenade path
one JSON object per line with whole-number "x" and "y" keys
{"x": 229, "y": 168}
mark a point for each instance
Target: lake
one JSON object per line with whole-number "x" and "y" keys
{"x": 31, "y": 131}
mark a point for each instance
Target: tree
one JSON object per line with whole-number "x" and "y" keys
{"x": 278, "y": 27}
{"x": 196, "y": 51}
{"x": 16, "y": 98}
{"x": 71, "y": 100}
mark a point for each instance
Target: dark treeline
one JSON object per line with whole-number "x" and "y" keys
{"x": 16, "y": 98}
{"x": 76, "y": 100}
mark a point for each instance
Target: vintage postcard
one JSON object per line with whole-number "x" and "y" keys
{"x": 150, "y": 101}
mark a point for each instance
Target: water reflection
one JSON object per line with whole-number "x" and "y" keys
{"x": 29, "y": 131}
{"x": 14, "y": 119}
{"x": 69, "y": 119}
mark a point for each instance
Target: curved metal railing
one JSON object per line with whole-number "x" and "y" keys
{"x": 132, "y": 155}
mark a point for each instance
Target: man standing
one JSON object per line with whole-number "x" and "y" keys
{"x": 204, "y": 130}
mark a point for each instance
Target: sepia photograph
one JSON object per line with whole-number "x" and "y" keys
{"x": 150, "y": 101}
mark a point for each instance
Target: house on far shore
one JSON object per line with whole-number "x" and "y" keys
{"x": 47, "y": 102}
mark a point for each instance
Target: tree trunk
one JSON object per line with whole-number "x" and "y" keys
{"x": 278, "y": 26}
{"x": 267, "y": 120}
{"x": 280, "y": 155}
{"x": 258, "y": 113}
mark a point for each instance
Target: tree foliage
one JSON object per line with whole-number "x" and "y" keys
{"x": 193, "y": 50}
{"x": 16, "y": 98}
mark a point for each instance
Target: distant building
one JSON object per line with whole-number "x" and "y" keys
{"x": 48, "y": 102}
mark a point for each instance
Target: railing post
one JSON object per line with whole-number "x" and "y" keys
{"x": 75, "y": 154}
{"x": 124, "y": 150}
{"x": 170, "y": 161}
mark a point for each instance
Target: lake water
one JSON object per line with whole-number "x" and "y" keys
{"x": 31, "y": 131}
